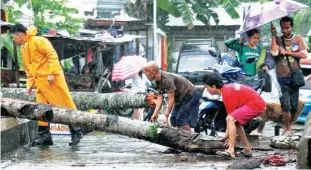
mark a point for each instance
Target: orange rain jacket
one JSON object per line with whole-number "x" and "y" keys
{"x": 40, "y": 60}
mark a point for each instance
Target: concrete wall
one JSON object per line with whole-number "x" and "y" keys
{"x": 304, "y": 154}
{"x": 16, "y": 133}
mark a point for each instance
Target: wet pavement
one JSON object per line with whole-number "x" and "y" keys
{"x": 99, "y": 150}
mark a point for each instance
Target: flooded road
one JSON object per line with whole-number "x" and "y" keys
{"x": 99, "y": 150}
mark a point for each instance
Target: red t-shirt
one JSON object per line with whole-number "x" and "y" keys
{"x": 235, "y": 96}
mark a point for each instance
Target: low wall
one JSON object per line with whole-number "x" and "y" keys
{"x": 16, "y": 133}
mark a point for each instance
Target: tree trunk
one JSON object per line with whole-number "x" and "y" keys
{"x": 170, "y": 137}
{"x": 26, "y": 110}
{"x": 88, "y": 100}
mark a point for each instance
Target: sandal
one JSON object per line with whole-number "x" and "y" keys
{"x": 225, "y": 154}
{"x": 246, "y": 154}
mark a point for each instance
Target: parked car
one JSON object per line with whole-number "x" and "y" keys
{"x": 196, "y": 57}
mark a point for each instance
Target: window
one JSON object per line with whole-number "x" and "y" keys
{"x": 88, "y": 13}
{"x": 104, "y": 14}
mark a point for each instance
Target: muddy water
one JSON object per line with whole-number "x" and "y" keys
{"x": 99, "y": 150}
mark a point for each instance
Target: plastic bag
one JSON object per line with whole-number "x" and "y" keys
{"x": 276, "y": 88}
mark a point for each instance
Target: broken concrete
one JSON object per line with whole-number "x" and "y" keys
{"x": 304, "y": 154}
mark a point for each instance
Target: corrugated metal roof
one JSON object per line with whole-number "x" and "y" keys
{"x": 109, "y": 40}
{"x": 224, "y": 19}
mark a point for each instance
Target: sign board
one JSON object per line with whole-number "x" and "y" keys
{"x": 59, "y": 129}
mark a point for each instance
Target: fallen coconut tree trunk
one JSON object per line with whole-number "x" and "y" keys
{"x": 170, "y": 137}
{"x": 26, "y": 110}
{"x": 88, "y": 100}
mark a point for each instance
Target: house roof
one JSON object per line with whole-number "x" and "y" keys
{"x": 224, "y": 19}
{"x": 105, "y": 39}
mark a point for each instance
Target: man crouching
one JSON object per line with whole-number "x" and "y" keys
{"x": 242, "y": 104}
{"x": 182, "y": 95}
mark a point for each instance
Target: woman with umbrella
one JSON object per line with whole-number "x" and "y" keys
{"x": 251, "y": 49}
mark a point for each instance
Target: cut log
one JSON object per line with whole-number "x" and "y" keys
{"x": 170, "y": 137}
{"x": 88, "y": 100}
{"x": 26, "y": 110}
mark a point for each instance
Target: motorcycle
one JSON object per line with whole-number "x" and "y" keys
{"x": 212, "y": 111}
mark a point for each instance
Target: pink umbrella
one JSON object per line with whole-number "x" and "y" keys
{"x": 127, "y": 67}
{"x": 261, "y": 14}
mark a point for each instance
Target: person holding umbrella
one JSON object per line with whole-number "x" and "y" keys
{"x": 288, "y": 50}
{"x": 251, "y": 49}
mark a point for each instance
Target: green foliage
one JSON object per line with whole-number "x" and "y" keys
{"x": 136, "y": 9}
{"x": 45, "y": 11}
{"x": 7, "y": 42}
{"x": 170, "y": 58}
{"x": 309, "y": 43}
{"x": 184, "y": 12}
{"x": 187, "y": 9}
{"x": 162, "y": 18}
{"x": 153, "y": 130}
{"x": 229, "y": 6}
{"x": 302, "y": 18}
{"x": 170, "y": 6}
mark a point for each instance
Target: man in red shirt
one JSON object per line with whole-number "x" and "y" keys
{"x": 242, "y": 104}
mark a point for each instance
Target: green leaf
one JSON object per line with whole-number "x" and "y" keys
{"x": 214, "y": 16}
{"x": 7, "y": 42}
{"x": 203, "y": 19}
{"x": 51, "y": 7}
{"x": 169, "y": 7}
{"x": 229, "y": 6}
{"x": 185, "y": 14}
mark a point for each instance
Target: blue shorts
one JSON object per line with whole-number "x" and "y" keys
{"x": 187, "y": 112}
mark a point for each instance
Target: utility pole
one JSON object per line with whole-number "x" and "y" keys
{"x": 155, "y": 38}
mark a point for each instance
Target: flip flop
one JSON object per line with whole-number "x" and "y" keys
{"x": 246, "y": 154}
{"x": 225, "y": 154}
{"x": 172, "y": 151}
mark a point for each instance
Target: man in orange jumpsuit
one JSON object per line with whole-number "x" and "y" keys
{"x": 45, "y": 74}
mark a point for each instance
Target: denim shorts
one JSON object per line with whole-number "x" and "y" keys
{"x": 187, "y": 112}
{"x": 289, "y": 98}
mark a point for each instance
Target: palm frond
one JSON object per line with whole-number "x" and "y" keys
{"x": 185, "y": 13}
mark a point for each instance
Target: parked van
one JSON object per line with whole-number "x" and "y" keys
{"x": 196, "y": 57}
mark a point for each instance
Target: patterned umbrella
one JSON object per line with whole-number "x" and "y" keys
{"x": 259, "y": 15}
{"x": 127, "y": 67}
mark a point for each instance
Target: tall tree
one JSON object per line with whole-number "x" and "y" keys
{"x": 47, "y": 10}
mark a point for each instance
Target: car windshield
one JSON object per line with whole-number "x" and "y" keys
{"x": 197, "y": 48}
{"x": 190, "y": 63}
